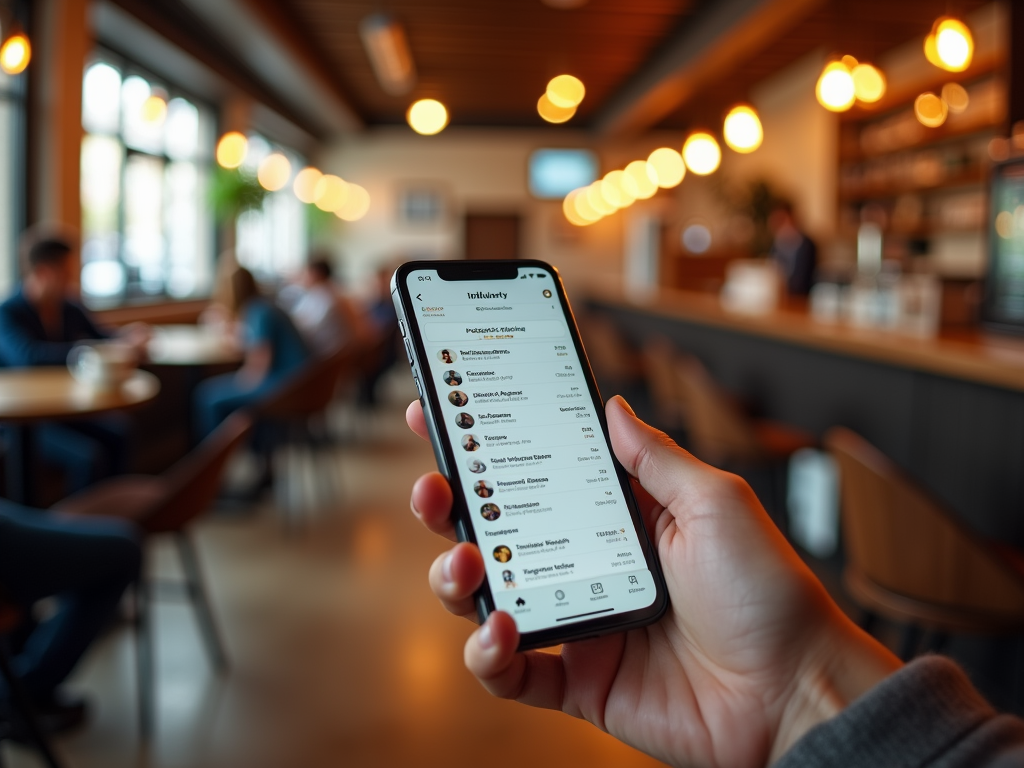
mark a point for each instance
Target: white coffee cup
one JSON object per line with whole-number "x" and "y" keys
{"x": 103, "y": 365}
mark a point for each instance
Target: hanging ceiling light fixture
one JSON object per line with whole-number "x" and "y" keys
{"x": 950, "y": 44}
{"x": 388, "y": 50}
{"x": 16, "y": 52}
{"x": 835, "y": 89}
{"x": 702, "y": 153}
{"x": 427, "y": 117}
{"x": 742, "y": 129}
{"x": 868, "y": 83}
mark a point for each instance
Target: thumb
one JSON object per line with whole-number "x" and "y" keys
{"x": 666, "y": 471}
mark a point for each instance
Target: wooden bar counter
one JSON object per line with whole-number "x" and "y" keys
{"x": 949, "y": 410}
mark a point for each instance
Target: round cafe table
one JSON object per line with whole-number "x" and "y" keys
{"x": 31, "y": 395}
{"x": 191, "y": 345}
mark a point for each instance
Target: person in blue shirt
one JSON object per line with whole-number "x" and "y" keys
{"x": 274, "y": 350}
{"x": 39, "y": 325}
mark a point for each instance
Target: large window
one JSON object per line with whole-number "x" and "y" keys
{"x": 147, "y": 229}
{"x": 12, "y": 176}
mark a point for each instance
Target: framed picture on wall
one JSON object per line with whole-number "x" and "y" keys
{"x": 422, "y": 205}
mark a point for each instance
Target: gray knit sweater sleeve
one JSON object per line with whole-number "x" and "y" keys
{"x": 925, "y": 715}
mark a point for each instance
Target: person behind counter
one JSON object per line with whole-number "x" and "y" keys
{"x": 39, "y": 325}
{"x": 794, "y": 252}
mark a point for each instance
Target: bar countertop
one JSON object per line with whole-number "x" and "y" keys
{"x": 971, "y": 355}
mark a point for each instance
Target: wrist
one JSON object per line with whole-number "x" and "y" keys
{"x": 841, "y": 664}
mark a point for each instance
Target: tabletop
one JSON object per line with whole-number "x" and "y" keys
{"x": 191, "y": 345}
{"x": 33, "y": 394}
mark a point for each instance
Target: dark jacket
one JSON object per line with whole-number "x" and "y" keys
{"x": 25, "y": 342}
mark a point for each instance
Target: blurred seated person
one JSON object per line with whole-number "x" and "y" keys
{"x": 39, "y": 325}
{"x": 382, "y": 320}
{"x": 794, "y": 252}
{"x": 324, "y": 317}
{"x": 86, "y": 564}
{"x": 274, "y": 350}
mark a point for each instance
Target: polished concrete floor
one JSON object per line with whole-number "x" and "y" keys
{"x": 340, "y": 655}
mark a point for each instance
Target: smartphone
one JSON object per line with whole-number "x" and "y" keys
{"x": 518, "y": 428}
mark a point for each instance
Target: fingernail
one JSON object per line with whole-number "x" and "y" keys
{"x": 446, "y": 566}
{"x": 485, "y": 637}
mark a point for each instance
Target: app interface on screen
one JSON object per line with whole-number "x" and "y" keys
{"x": 557, "y": 537}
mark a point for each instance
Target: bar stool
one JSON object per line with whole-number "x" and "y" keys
{"x": 10, "y": 617}
{"x": 911, "y": 561}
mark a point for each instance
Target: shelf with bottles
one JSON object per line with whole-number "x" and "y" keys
{"x": 949, "y": 209}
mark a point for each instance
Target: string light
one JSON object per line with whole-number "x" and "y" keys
{"x": 868, "y": 83}
{"x": 956, "y": 98}
{"x": 571, "y": 213}
{"x": 232, "y": 149}
{"x": 427, "y": 117}
{"x": 950, "y": 44}
{"x": 565, "y": 91}
{"x": 581, "y": 203}
{"x": 154, "y": 109}
{"x": 639, "y": 171}
{"x": 702, "y": 153}
{"x": 835, "y": 89}
{"x": 742, "y": 129}
{"x": 15, "y": 54}
{"x": 274, "y": 172}
{"x": 930, "y": 110}
{"x": 595, "y": 198}
{"x": 331, "y": 193}
{"x": 666, "y": 167}
{"x": 356, "y": 205}
{"x": 552, "y": 112}
{"x": 305, "y": 183}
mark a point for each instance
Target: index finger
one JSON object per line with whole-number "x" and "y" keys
{"x": 415, "y": 419}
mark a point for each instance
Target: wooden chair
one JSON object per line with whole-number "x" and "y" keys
{"x": 168, "y": 504}
{"x": 717, "y": 429}
{"x": 10, "y": 617}
{"x": 306, "y": 397}
{"x": 911, "y": 561}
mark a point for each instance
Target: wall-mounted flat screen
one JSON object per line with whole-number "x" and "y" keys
{"x": 1004, "y": 285}
{"x": 554, "y": 173}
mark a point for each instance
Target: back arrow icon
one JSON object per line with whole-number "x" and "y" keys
{"x": 419, "y": 297}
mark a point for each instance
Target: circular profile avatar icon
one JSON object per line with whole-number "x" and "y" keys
{"x": 464, "y": 421}
{"x": 502, "y": 553}
{"x": 547, "y": 294}
{"x": 490, "y": 512}
{"x": 471, "y": 443}
{"x": 476, "y": 466}
{"x": 509, "y": 578}
{"x": 458, "y": 398}
{"x": 452, "y": 378}
{"x": 447, "y": 356}
{"x": 483, "y": 489}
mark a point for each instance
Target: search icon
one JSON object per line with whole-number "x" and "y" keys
{"x": 632, "y": 580}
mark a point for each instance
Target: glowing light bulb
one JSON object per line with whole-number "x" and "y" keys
{"x": 666, "y": 167}
{"x": 702, "y": 153}
{"x": 835, "y": 89}
{"x": 330, "y": 193}
{"x": 154, "y": 109}
{"x": 427, "y": 117}
{"x": 553, "y": 113}
{"x": 954, "y": 45}
{"x": 930, "y": 110}
{"x": 645, "y": 186}
{"x": 956, "y": 98}
{"x": 232, "y": 149}
{"x": 274, "y": 172}
{"x": 15, "y": 54}
{"x": 742, "y": 130}
{"x": 356, "y": 205}
{"x": 571, "y": 213}
{"x": 581, "y": 203}
{"x": 596, "y": 199}
{"x": 868, "y": 83}
{"x": 305, "y": 184}
{"x": 565, "y": 91}
{"x": 627, "y": 187}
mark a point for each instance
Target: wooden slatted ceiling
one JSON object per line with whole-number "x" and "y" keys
{"x": 489, "y": 60}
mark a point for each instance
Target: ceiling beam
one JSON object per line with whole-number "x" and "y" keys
{"x": 716, "y": 39}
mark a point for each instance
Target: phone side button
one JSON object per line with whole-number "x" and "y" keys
{"x": 419, "y": 389}
{"x": 408, "y": 350}
{"x": 401, "y": 327}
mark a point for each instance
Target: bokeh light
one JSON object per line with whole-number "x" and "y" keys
{"x": 356, "y": 205}
{"x": 571, "y": 212}
{"x": 742, "y": 129}
{"x": 930, "y": 110}
{"x": 835, "y": 90}
{"x": 330, "y": 193}
{"x": 232, "y": 149}
{"x": 956, "y": 98}
{"x": 427, "y": 117}
{"x": 565, "y": 91}
{"x": 15, "y": 54}
{"x": 552, "y": 112}
{"x": 701, "y": 153}
{"x": 595, "y": 198}
{"x": 154, "y": 109}
{"x": 666, "y": 167}
{"x": 868, "y": 83}
{"x": 583, "y": 207}
{"x": 1004, "y": 224}
{"x": 954, "y": 45}
{"x": 305, "y": 183}
{"x": 639, "y": 171}
{"x": 274, "y": 172}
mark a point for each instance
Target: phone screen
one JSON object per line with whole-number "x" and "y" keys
{"x": 532, "y": 461}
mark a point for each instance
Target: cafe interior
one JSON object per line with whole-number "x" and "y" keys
{"x": 792, "y": 234}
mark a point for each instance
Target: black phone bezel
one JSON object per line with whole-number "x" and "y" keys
{"x": 447, "y": 461}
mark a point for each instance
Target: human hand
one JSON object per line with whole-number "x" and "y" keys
{"x": 751, "y": 654}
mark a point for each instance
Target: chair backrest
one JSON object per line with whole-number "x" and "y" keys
{"x": 905, "y": 542}
{"x": 311, "y": 389}
{"x": 659, "y": 368}
{"x": 613, "y": 358}
{"x": 193, "y": 482}
{"x": 718, "y": 430}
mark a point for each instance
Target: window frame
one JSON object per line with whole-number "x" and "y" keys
{"x": 15, "y": 91}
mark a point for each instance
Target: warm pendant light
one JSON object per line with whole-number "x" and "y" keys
{"x": 427, "y": 117}
{"x": 742, "y": 129}
{"x": 950, "y": 45}
{"x": 232, "y": 149}
{"x": 835, "y": 89}
{"x": 15, "y": 53}
{"x": 868, "y": 83}
{"x": 701, "y": 153}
